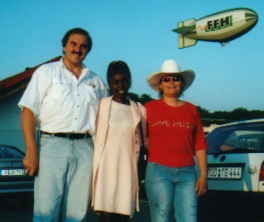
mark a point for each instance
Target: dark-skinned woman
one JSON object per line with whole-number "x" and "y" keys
{"x": 117, "y": 147}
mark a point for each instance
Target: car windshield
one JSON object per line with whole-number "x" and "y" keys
{"x": 242, "y": 136}
{"x": 7, "y": 152}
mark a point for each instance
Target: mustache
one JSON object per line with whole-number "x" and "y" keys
{"x": 78, "y": 53}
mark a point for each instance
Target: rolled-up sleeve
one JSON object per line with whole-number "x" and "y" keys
{"x": 35, "y": 91}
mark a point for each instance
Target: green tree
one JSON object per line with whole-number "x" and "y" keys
{"x": 204, "y": 112}
{"x": 240, "y": 114}
{"x": 133, "y": 96}
{"x": 144, "y": 98}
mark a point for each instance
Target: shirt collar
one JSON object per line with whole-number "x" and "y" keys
{"x": 85, "y": 69}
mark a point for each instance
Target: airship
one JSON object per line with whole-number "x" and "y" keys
{"x": 222, "y": 27}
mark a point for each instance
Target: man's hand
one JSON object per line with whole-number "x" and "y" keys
{"x": 31, "y": 162}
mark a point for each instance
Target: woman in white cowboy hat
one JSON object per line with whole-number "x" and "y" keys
{"x": 175, "y": 136}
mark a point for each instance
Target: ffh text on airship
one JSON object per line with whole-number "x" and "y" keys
{"x": 222, "y": 27}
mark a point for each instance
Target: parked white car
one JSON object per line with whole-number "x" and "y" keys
{"x": 236, "y": 158}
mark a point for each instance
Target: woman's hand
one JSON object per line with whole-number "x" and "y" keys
{"x": 201, "y": 186}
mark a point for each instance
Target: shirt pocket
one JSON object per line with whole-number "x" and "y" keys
{"x": 90, "y": 94}
{"x": 60, "y": 92}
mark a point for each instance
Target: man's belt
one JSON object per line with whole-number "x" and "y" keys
{"x": 69, "y": 135}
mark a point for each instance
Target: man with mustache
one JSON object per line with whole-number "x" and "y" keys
{"x": 62, "y": 99}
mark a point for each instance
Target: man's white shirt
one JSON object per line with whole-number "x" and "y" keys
{"x": 61, "y": 102}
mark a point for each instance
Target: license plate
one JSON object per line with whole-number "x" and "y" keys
{"x": 232, "y": 173}
{"x": 15, "y": 172}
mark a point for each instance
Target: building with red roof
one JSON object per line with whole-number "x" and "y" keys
{"x": 11, "y": 90}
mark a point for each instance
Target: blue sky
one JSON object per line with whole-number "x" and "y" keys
{"x": 140, "y": 33}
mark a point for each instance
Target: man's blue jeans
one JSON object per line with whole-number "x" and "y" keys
{"x": 64, "y": 179}
{"x": 171, "y": 190}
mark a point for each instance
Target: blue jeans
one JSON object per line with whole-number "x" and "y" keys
{"x": 64, "y": 179}
{"x": 171, "y": 190}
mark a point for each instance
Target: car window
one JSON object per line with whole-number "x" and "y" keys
{"x": 252, "y": 142}
{"x": 243, "y": 139}
{"x": 248, "y": 136}
{"x": 9, "y": 152}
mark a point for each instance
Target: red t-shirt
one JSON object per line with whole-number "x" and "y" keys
{"x": 175, "y": 133}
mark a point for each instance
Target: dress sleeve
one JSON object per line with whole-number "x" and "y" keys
{"x": 142, "y": 110}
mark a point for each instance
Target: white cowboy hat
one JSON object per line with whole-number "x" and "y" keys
{"x": 170, "y": 67}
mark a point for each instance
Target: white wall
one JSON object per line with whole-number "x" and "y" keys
{"x": 10, "y": 125}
